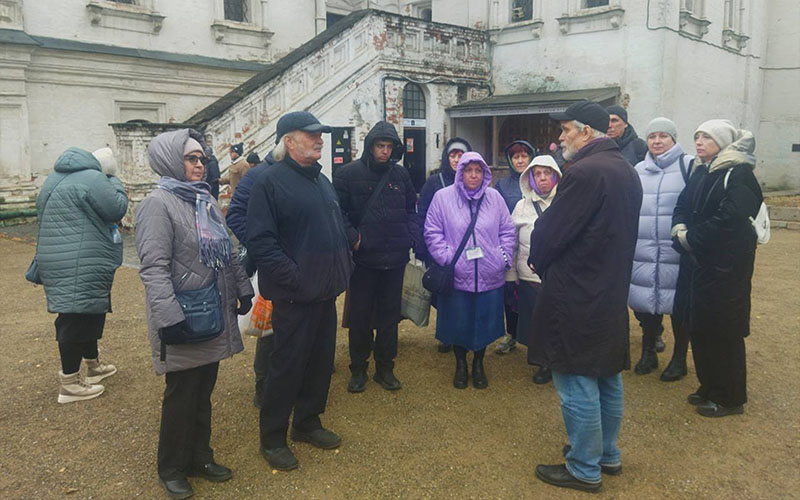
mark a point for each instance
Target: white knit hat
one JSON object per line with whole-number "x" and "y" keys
{"x": 722, "y": 131}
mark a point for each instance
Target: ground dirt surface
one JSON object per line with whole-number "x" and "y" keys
{"x": 427, "y": 440}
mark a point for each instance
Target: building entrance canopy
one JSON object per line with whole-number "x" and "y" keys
{"x": 530, "y": 104}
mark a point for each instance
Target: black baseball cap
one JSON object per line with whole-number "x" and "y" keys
{"x": 299, "y": 120}
{"x": 585, "y": 111}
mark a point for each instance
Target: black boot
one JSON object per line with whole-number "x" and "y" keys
{"x": 676, "y": 370}
{"x": 460, "y": 379}
{"x": 649, "y": 361}
{"x": 660, "y": 345}
{"x": 384, "y": 375}
{"x": 543, "y": 376}
{"x": 479, "y": 380}
{"x": 358, "y": 379}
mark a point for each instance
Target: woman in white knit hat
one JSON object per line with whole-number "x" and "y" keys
{"x": 712, "y": 231}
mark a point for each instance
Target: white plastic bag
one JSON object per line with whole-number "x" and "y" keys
{"x": 258, "y": 320}
{"x": 416, "y": 300}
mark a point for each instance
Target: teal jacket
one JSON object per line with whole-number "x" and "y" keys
{"x": 76, "y": 252}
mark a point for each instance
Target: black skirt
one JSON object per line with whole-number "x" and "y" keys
{"x": 79, "y": 327}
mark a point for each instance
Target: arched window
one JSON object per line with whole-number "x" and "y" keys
{"x": 413, "y": 102}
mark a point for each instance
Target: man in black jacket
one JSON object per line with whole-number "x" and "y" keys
{"x": 295, "y": 236}
{"x": 584, "y": 245}
{"x": 630, "y": 145}
{"x": 378, "y": 204}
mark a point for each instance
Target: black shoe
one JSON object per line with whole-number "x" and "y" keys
{"x": 384, "y": 375}
{"x": 177, "y": 488}
{"x": 558, "y": 475}
{"x": 712, "y": 409}
{"x": 280, "y": 458}
{"x": 460, "y": 379}
{"x": 321, "y": 438}
{"x": 479, "y": 380}
{"x": 675, "y": 370}
{"x": 648, "y": 363}
{"x": 543, "y": 376}
{"x": 443, "y": 348}
{"x": 212, "y": 472}
{"x": 611, "y": 470}
{"x": 660, "y": 346}
{"x": 696, "y": 399}
{"x": 358, "y": 381}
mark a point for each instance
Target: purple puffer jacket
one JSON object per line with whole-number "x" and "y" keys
{"x": 448, "y": 219}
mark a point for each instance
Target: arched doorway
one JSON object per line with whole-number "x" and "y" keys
{"x": 414, "y": 133}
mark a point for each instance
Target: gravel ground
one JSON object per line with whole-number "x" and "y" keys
{"x": 427, "y": 440}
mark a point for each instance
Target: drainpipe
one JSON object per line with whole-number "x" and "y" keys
{"x": 321, "y": 20}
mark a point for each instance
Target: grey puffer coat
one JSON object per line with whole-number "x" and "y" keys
{"x": 77, "y": 207}
{"x": 166, "y": 241}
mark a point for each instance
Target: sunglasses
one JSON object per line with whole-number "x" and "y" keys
{"x": 195, "y": 158}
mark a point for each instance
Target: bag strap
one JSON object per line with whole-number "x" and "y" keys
{"x": 470, "y": 229}
{"x": 441, "y": 179}
{"x": 684, "y": 172}
{"x": 725, "y": 180}
{"x": 375, "y": 193}
{"x": 537, "y": 208}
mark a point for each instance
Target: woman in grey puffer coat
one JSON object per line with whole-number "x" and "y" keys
{"x": 663, "y": 173}
{"x": 183, "y": 244}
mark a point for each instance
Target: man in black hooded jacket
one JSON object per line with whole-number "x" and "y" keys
{"x": 378, "y": 203}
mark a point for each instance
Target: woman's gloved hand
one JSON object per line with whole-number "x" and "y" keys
{"x": 245, "y": 303}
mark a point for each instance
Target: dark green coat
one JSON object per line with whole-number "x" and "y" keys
{"x": 77, "y": 256}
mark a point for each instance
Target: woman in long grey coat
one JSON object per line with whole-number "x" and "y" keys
{"x": 183, "y": 244}
{"x": 78, "y": 255}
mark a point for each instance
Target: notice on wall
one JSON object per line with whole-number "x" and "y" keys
{"x": 409, "y": 144}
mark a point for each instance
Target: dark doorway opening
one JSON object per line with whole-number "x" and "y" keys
{"x": 414, "y": 158}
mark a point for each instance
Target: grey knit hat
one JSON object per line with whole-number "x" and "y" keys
{"x": 662, "y": 124}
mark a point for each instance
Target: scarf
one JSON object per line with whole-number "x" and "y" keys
{"x": 216, "y": 248}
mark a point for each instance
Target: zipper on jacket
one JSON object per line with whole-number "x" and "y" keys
{"x": 656, "y": 280}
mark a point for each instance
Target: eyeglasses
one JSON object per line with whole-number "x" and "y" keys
{"x": 195, "y": 158}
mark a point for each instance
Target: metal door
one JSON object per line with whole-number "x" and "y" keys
{"x": 414, "y": 158}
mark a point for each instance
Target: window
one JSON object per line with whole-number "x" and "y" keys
{"x": 236, "y": 10}
{"x": 521, "y": 10}
{"x": 426, "y": 14}
{"x": 413, "y": 102}
{"x": 331, "y": 19}
{"x": 129, "y": 2}
{"x": 589, "y": 4}
{"x": 733, "y": 14}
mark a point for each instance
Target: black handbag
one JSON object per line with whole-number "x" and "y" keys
{"x": 203, "y": 312}
{"x": 439, "y": 279}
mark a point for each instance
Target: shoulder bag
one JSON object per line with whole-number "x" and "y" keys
{"x": 439, "y": 279}
{"x": 761, "y": 223}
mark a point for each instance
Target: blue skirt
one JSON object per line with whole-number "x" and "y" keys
{"x": 470, "y": 320}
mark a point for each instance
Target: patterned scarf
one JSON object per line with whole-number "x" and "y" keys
{"x": 216, "y": 248}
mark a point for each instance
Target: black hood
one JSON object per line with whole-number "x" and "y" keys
{"x": 444, "y": 167}
{"x": 627, "y": 136}
{"x": 386, "y": 131}
{"x": 527, "y": 145}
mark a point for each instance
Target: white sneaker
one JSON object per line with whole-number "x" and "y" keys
{"x": 506, "y": 345}
{"x": 97, "y": 370}
{"x": 73, "y": 388}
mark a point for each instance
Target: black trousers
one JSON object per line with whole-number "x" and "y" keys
{"x": 380, "y": 289}
{"x": 511, "y": 306}
{"x": 77, "y": 335}
{"x": 721, "y": 368}
{"x": 264, "y": 348}
{"x": 185, "y": 436}
{"x": 299, "y": 369}
{"x": 73, "y": 352}
{"x": 652, "y": 324}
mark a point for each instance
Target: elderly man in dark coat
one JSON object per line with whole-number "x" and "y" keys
{"x": 584, "y": 252}
{"x": 296, "y": 238}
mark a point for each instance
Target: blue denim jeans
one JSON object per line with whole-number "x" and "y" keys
{"x": 592, "y": 410}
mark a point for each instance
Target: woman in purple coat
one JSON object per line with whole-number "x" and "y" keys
{"x": 471, "y": 316}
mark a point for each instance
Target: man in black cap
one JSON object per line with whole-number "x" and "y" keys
{"x": 584, "y": 253}
{"x": 379, "y": 206}
{"x": 295, "y": 237}
{"x": 630, "y": 145}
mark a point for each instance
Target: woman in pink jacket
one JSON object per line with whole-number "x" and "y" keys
{"x": 471, "y": 316}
